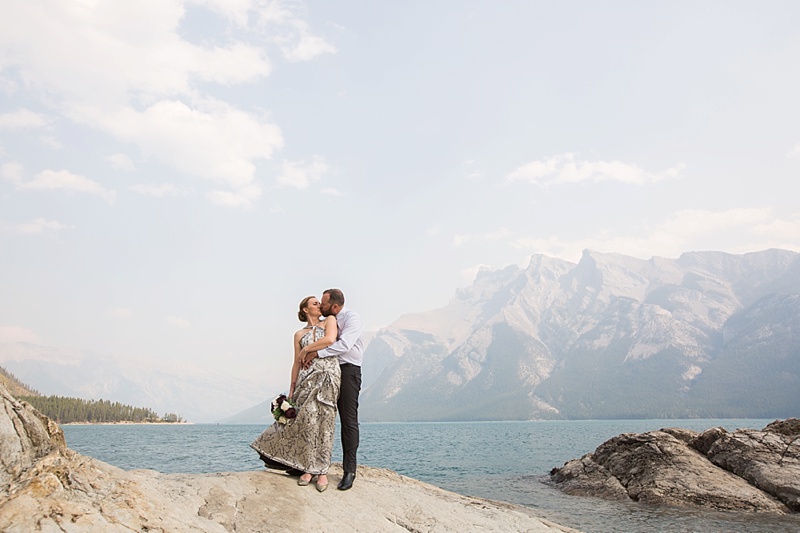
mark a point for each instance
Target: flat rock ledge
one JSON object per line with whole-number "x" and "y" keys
{"x": 743, "y": 470}
{"x": 46, "y": 487}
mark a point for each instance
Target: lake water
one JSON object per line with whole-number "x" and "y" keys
{"x": 506, "y": 461}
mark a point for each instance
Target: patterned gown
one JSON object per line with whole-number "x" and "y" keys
{"x": 306, "y": 441}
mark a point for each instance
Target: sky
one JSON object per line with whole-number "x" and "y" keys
{"x": 175, "y": 176}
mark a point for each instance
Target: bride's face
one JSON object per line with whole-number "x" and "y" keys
{"x": 313, "y": 308}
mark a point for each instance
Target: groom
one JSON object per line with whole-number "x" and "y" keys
{"x": 349, "y": 349}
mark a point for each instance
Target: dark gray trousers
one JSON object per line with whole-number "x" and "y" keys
{"x": 348, "y": 414}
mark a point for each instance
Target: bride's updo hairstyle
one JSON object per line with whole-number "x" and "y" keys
{"x": 301, "y": 314}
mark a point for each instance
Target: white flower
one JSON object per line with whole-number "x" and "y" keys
{"x": 282, "y": 420}
{"x": 285, "y": 406}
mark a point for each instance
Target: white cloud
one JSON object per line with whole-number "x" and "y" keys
{"x": 237, "y": 63}
{"x": 54, "y": 180}
{"x": 49, "y": 180}
{"x": 23, "y": 119}
{"x": 178, "y": 322}
{"x": 273, "y": 13}
{"x": 795, "y": 151}
{"x": 330, "y": 191}
{"x": 433, "y": 231}
{"x": 229, "y": 199}
{"x": 567, "y": 168}
{"x": 129, "y": 72}
{"x": 211, "y": 140}
{"x": 12, "y": 334}
{"x": 787, "y": 230}
{"x": 283, "y": 22}
{"x": 121, "y": 162}
{"x": 38, "y": 226}
{"x": 13, "y": 172}
{"x": 781, "y": 233}
{"x": 70, "y": 49}
{"x": 473, "y": 172}
{"x": 691, "y": 222}
{"x": 734, "y": 230}
{"x": 161, "y": 190}
{"x": 237, "y": 11}
{"x": 502, "y": 234}
{"x": 307, "y": 47}
{"x": 460, "y": 239}
{"x": 52, "y": 141}
{"x": 121, "y": 312}
{"x": 300, "y": 175}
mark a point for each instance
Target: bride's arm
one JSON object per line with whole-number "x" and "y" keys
{"x": 298, "y": 361}
{"x": 331, "y": 330}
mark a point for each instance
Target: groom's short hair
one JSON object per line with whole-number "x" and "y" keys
{"x": 335, "y": 296}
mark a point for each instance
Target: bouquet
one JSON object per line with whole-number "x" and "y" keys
{"x": 283, "y": 409}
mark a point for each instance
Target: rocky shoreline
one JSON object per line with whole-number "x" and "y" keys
{"x": 743, "y": 470}
{"x": 46, "y": 487}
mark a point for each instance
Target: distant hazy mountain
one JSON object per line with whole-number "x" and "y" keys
{"x": 258, "y": 414}
{"x": 708, "y": 334}
{"x": 196, "y": 394}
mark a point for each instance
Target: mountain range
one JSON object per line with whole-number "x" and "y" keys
{"x": 709, "y": 335}
{"x": 706, "y": 335}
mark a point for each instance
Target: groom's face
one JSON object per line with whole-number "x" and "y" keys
{"x": 325, "y": 306}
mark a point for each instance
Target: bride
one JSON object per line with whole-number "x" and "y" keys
{"x": 305, "y": 442}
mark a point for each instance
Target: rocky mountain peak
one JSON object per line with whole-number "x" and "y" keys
{"x": 610, "y": 336}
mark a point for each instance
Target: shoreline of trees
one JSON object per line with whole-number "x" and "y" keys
{"x": 65, "y": 410}
{"x": 126, "y": 423}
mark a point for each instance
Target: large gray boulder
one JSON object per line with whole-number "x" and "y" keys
{"x": 768, "y": 459}
{"x": 49, "y": 488}
{"x": 25, "y": 437}
{"x": 744, "y": 470}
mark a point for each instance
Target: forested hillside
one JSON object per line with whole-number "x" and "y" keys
{"x": 69, "y": 410}
{"x": 14, "y": 385}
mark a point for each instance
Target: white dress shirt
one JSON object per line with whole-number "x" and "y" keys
{"x": 348, "y": 346}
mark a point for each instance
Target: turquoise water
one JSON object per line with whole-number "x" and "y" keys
{"x": 506, "y": 461}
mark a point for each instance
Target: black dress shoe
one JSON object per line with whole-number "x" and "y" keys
{"x": 347, "y": 481}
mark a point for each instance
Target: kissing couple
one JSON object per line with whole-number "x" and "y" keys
{"x": 326, "y": 377}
